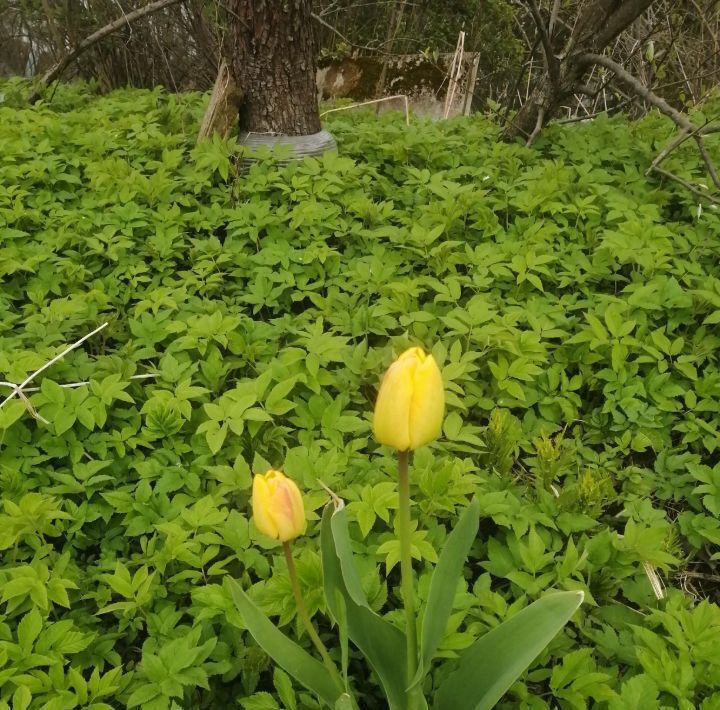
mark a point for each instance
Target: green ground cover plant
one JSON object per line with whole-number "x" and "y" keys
{"x": 572, "y": 303}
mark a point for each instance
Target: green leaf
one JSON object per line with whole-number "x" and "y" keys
{"x": 143, "y": 695}
{"x": 28, "y": 630}
{"x": 343, "y": 633}
{"x": 21, "y": 698}
{"x": 286, "y": 653}
{"x": 283, "y": 685}
{"x": 382, "y": 644}
{"x": 443, "y": 585}
{"x": 216, "y": 437}
{"x": 341, "y": 540}
{"x": 495, "y": 661}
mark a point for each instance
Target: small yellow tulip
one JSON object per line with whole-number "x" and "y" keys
{"x": 277, "y": 506}
{"x": 411, "y": 402}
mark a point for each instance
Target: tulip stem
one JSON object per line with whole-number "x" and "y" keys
{"x": 305, "y": 618}
{"x": 408, "y": 592}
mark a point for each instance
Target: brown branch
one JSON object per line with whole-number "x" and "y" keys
{"x": 551, "y": 61}
{"x": 669, "y": 148}
{"x": 687, "y": 185}
{"x": 707, "y": 160}
{"x": 640, "y": 89}
{"x": 345, "y": 39}
{"x": 57, "y": 69}
{"x": 554, "y": 14}
{"x": 589, "y": 117}
{"x": 688, "y": 128}
{"x": 620, "y": 20}
{"x": 538, "y": 127}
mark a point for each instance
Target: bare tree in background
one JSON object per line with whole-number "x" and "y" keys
{"x": 274, "y": 64}
{"x": 597, "y": 24}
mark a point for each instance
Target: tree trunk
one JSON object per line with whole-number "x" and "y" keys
{"x": 598, "y": 23}
{"x": 275, "y": 66}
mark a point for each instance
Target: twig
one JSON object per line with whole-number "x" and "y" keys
{"x": 688, "y": 185}
{"x": 538, "y": 126}
{"x": 654, "y": 579}
{"x": 374, "y": 101}
{"x": 550, "y": 59}
{"x": 31, "y": 410}
{"x": 553, "y": 17}
{"x": 590, "y": 116}
{"x": 669, "y": 148}
{"x": 701, "y": 575}
{"x": 680, "y": 119}
{"x": 685, "y": 76}
{"x": 707, "y": 159}
{"x": 639, "y": 88}
{"x": 73, "y": 385}
{"x": 59, "y": 67}
{"x": 19, "y": 388}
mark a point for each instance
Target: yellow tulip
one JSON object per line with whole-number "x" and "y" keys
{"x": 277, "y": 506}
{"x": 411, "y": 402}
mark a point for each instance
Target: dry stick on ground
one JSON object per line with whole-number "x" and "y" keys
{"x": 72, "y": 385}
{"x": 57, "y": 69}
{"x": 18, "y": 389}
{"x": 690, "y": 130}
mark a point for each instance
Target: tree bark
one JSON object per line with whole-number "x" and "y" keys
{"x": 598, "y": 23}
{"x": 274, "y": 64}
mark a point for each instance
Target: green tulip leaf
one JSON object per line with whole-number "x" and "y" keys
{"x": 443, "y": 585}
{"x": 382, "y": 644}
{"x": 495, "y": 661}
{"x": 286, "y": 653}
{"x": 343, "y": 633}
{"x": 341, "y": 540}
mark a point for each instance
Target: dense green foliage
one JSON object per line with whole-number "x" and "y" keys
{"x": 572, "y": 302}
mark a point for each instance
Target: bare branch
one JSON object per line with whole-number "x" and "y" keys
{"x": 621, "y": 19}
{"x": 538, "y": 127}
{"x": 551, "y": 61}
{"x": 74, "y": 385}
{"x": 344, "y": 38}
{"x": 589, "y": 117}
{"x": 687, "y": 185}
{"x": 669, "y": 148}
{"x": 57, "y": 69}
{"x": 554, "y": 14}
{"x": 640, "y": 89}
{"x": 707, "y": 160}
{"x": 689, "y": 130}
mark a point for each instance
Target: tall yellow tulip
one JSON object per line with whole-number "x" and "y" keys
{"x": 411, "y": 402}
{"x": 277, "y": 506}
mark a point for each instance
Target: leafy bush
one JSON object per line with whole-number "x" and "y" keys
{"x": 572, "y": 303}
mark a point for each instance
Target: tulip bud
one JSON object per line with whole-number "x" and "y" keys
{"x": 411, "y": 402}
{"x": 277, "y": 506}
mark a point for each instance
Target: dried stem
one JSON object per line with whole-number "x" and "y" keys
{"x": 19, "y": 388}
